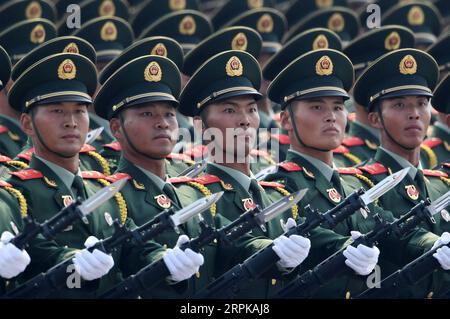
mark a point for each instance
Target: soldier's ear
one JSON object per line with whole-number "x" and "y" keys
{"x": 374, "y": 120}
{"x": 114, "y": 125}
{"x": 27, "y": 124}
{"x": 285, "y": 120}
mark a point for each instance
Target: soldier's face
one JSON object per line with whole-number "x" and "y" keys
{"x": 320, "y": 122}
{"x": 405, "y": 118}
{"x": 237, "y": 119}
{"x": 152, "y": 129}
{"x": 62, "y": 126}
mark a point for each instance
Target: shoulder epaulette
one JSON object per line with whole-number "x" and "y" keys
{"x": 27, "y": 154}
{"x": 5, "y": 184}
{"x": 196, "y": 151}
{"x": 374, "y": 169}
{"x": 92, "y": 175}
{"x": 115, "y": 146}
{"x": 179, "y": 156}
{"x": 87, "y": 148}
{"x": 180, "y": 179}
{"x": 3, "y": 129}
{"x": 353, "y": 141}
{"x": 432, "y": 142}
{"x": 341, "y": 149}
{"x": 290, "y": 166}
{"x": 4, "y": 158}
{"x": 348, "y": 170}
{"x": 282, "y": 138}
{"x": 446, "y": 165}
{"x": 117, "y": 176}
{"x": 27, "y": 174}
{"x": 270, "y": 184}
{"x": 207, "y": 179}
{"x": 430, "y": 172}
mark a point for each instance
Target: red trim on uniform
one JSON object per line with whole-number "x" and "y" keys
{"x": 282, "y": 138}
{"x": 430, "y": 172}
{"x": 432, "y": 142}
{"x": 353, "y": 141}
{"x": 270, "y": 184}
{"x": 207, "y": 179}
{"x": 27, "y": 154}
{"x": 4, "y": 158}
{"x": 92, "y": 175}
{"x": 374, "y": 169}
{"x": 115, "y": 146}
{"x": 349, "y": 170}
{"x": 87, "y": 148}
{"x": 196, "y": 151}
{"x": 3, "y": 129}
{"x": 341, "y": 149}
{"x": 259, "y": 153}
{"x": 5, "y": 184}
{"x": 178, "y": 156}
{"x": 290, "y": 166}
{"x": 117, "y": 176}
{"x": 27, "y": 174}
{"x": 179, "y": 179}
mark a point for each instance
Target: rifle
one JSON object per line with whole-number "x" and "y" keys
{"x": 309, "y": 282}
{"x": 153, "y": 274}
{"x": 254, "y": 267}
{"x": 417, "y": 269}
{"x": 55, "y": 278}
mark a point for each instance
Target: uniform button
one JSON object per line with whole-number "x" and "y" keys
{"x": 165, "y": 246}
{"x": 430, "y": 295}
{"x": 347, "y": 295}
{"x": 197, "y": 274}
{"x": 274, "y": 281}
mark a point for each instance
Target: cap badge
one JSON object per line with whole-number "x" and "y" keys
{"x": 234, "y": 67}
{"x": 153, "y": 72}
{"x": 67, "y": 70}
{"x": 324, "y": 66}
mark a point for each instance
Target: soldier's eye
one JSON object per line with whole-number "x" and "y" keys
{"x": 229, "y": 110}
{"x": 146, "y": 114}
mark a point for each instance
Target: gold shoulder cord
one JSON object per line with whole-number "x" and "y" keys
{"x": 294, "y": 209}
{"x": 18, "y": 164}
{"x": 355, "y": 159}
{"x": 102, "y": 161}
{"x": 20, "y": 198}
{"x": 206, "y": 192}
{"x": 431, "y": 155}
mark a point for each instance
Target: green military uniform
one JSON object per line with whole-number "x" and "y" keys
{"x": 310, "y": 40}
{"x": 156, "y": 194}
{"x": 436, "y": 148}
{"x": 48, "y": 187}
{"x": 330, "y": 73}
{"x": 401, "y": 73}
{"x": 241, "y": 77}
{"x": 362, "y": 140}
{"x": 422, "y": 18}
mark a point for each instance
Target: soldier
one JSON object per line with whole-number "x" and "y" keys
{"x": 53, "y": 96}
{"x": 142, "y": 116}
{"x": 312, "y": 90}
{"x": 362, "y": 139}
{"x": 435, "y": 149}
{"x": 16, "y": 11}
{"x": 229, "y": 102}
{"x": 18, "y": 40}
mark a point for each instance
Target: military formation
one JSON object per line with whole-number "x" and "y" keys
{"x": 266, "y": 149}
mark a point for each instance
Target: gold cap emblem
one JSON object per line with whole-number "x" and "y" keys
{"x": 107, "y": 8}
{"x": 239, "y": 42}
{"x": 392, "y": 41}
{"x": 176, "y": 5}
{"x": 159, "y": 49}
{"x": 187, "y": 26}
{"x": 324, "y": 3}
{"x": 33, "y": 10}
{"x": 408, "y": 65}
{"x": 67, "y": 70}
{"x": 265, "y": 24}
{"x": 336, "y": 22}
{"x": 108, "y": 32}
{"x": 37, "y": 35}
{"x": 321, "y": 42}
{"x": 416, "y": 16}
{"x": 254, "y": 4}
{"x": 153, "y": 72}
{"x": 234, "y": 67}
{"x": 412, "y": 192}
{"x": 324, "y": 66}
{"x": 71, "y": 48}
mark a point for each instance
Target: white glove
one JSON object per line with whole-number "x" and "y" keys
{"x": 361, "y": 259}
{"x": 443, "y": 254}
{"x": 12, "y": 260}
{"x": 92, "y": 265}
{"x": 293, "y": 250}
{"x": 182, "y": 264}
